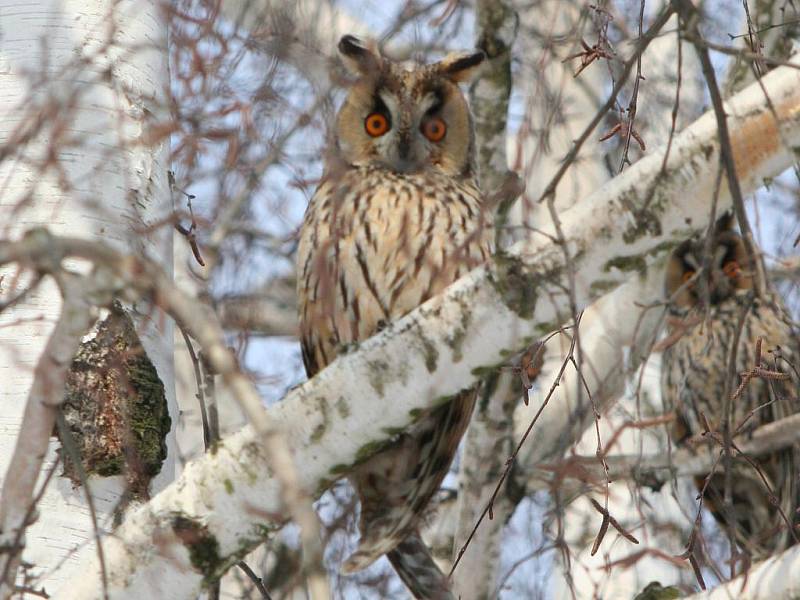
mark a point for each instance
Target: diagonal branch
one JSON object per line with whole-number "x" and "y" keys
{"x": 657, "y": 469}
{"x": 777, "y": 577}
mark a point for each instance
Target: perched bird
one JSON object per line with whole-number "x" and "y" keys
{"x": 397, "y": 217}
{"x": 713, "y": 301}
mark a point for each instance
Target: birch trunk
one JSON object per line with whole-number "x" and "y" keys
{"x": 78, "y": 81}
{"x": 777, "y": 577}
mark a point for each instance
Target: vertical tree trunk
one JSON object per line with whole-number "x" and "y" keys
{"x": 82, "y": 82}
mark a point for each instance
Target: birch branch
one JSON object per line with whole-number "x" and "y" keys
{"x": 657, "y": 469}
{"x": 227, "y": 502}
{"x": 786, "y": 268}
{"x": 142, "y": 278}
{"x": 771, "y": 42}
{"x": 271, "y": 311}
{"x": 299, "y": 21}
{"x": 628, "y": 325}
{"x": 776, "y": 577}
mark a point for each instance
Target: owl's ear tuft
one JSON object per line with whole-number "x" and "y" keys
{"x": 460, "y": 67}
{"x": 360, "y": 58}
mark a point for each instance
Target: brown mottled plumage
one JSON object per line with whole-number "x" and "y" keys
{"x": 694, "y": 373}
{"x": 397, "y": 218}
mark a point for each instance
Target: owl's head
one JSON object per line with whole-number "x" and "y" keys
{"x": 406, "y": 118}
{"x": 729, "y": 268}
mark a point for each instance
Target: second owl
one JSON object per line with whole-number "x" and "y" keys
{"x": 713, "y": 304}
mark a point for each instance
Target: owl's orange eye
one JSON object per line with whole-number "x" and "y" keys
{"x": 731, "y": 269}
{"x": 376, "y": 124}
{"x": 434, "y": 129}
{"x": 687, "y": 276}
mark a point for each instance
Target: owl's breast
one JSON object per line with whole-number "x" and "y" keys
{"x": 375, "y": 245}
{"x": 695, "y": 368}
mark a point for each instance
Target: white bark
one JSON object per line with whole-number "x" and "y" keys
{"x": 488, "y": 440}
{"x": 777, "y": 577}
{"x": 654, "y": 517}
{"x": 38, "y": 420}
{"x": 543, "y": 141}
{"x": 620, "y": 333}
{"x": 92, "y": 115}
{"x": 337, "y": 418}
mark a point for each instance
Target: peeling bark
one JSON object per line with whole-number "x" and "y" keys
{"x": 115, "y": 407}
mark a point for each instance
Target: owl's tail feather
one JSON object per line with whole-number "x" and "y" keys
{"x": 369, "y": 550}
{"x": 392, "y": 505}
{"x": 414, "y": 564}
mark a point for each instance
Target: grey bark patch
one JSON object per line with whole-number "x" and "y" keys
{"x": 517, "y": 287}
{"x": 342, "y": 408}
{"x": 115, "y": 406}
{"x": 431, "y": 353}
{"x": 628, "y": 264}
{"x": 320, "y": 429}
{"x": 378, "y": 370}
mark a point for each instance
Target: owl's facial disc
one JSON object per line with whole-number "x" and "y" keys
{"x": 407, "y": 117}
{"x": 722, "y": 279}
{"x": 407, "y": 145}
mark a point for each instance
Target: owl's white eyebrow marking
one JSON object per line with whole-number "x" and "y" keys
{"x": 429, "y": 100}
{"x": 691, "y": 261}
{"x": 390, "y": 100}
{"x": 719, "y": 255}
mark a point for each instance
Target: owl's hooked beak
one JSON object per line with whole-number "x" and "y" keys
{"x": 721, "y": 287}
{"x": 404, "y": 143}
{"x": 400, "y": 155}
{"x": 407, "y": 159}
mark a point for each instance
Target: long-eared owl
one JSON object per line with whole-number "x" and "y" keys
{"x": 695, "y": 371}
{"x": 397, "y": 217}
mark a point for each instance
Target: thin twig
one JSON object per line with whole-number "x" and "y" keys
{"x": 511, "y": 459}
{"x": 569, "y": 159}
{"x": 632, "y": 105}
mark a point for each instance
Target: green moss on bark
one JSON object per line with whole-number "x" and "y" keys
{"x": 202, "y": 546}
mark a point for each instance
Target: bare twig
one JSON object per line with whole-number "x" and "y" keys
{"x": 510, "y": 461}
{"x": 690, "y": 17}
{"x": 645, "y": 40}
